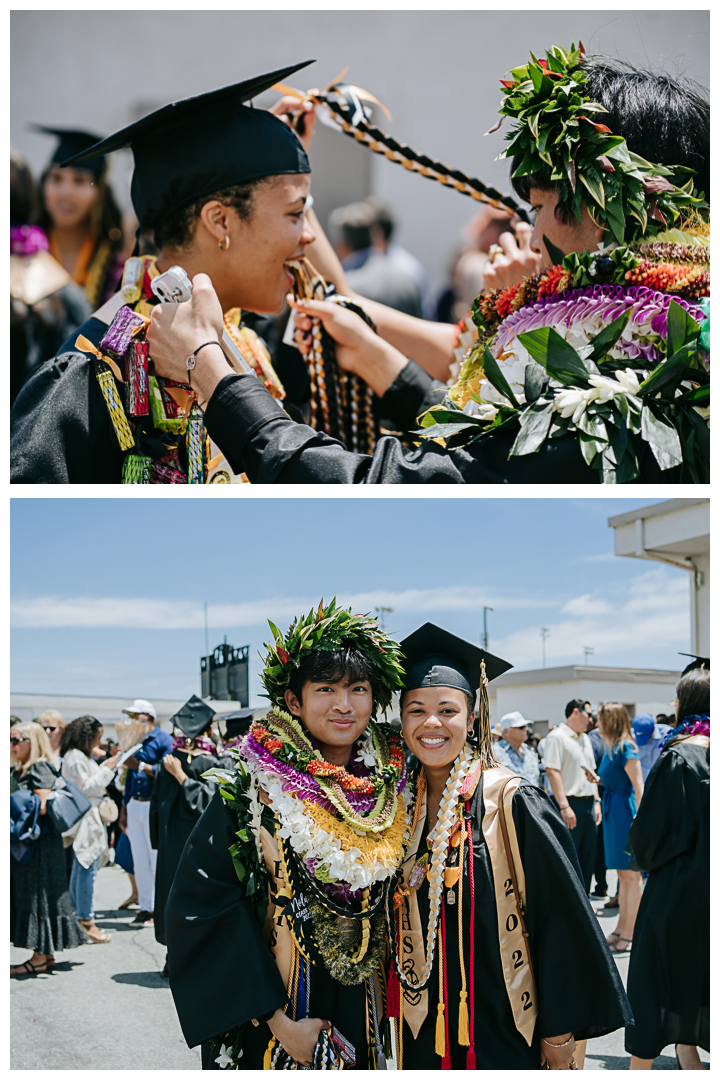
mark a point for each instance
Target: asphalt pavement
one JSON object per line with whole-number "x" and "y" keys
{"x": 107, "y": 1006}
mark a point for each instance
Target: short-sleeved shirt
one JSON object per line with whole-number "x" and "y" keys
{"x": 568, "y": 753}
{"x": 526, "y": 764}
{"x": 139, "y": 785}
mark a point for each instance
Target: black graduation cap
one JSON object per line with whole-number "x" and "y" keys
{"x": 201, "y": 144}
{"x": 71, "y": 143}
{"x": 193, "y": 718}
{"x": 697, "y": 662}
{"x": 435, "y": 657}
{"x": 237, "y": 723}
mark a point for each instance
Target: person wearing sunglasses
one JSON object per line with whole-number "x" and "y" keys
{"x": 54, "y": 724}
{"x": 41, "y": 912}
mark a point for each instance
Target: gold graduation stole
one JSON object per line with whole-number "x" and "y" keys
{"x": 499, "y": 786}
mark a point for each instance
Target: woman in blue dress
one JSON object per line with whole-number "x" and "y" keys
{"x": 621, "y": 775}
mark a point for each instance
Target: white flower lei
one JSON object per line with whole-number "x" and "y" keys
{"x": 353, "y": 867}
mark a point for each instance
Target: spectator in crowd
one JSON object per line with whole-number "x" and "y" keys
{"x": 510, "y": 750}
{"x": 14, "y": 720}
{"x": 134, "y": 816}
{"x": 569, "y": 762}
{"x": 89, "y": 838}
{"x": 600, "y": 891}
{"x": 669, "y": 973}
{"x": 81, "y": 218}
{"x": 649, "y": 735}
{"x": 41, "y": 912}
{"x": 53, "y": 723}
{"x": 368, "y": 270}
{"x": 381, "y": 234}
{"x": 622, "y": 780}
{"x": 45, "y": 304}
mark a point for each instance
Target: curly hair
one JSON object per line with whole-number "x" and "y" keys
{"x": 177, "y": 230}
{"x": 79, "y": 735}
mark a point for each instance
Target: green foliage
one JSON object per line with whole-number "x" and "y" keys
{"x": 560, "y": 138}
{"x": 331, "y": 628}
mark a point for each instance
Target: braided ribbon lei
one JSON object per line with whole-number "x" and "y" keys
{"x": 341, "y": 402}
{"x": 439, "y": 838}
{"x": 344, "y": 101}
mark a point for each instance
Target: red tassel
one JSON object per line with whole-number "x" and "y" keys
{"x": 393, "y": 993}
{"x": 470, "y": 1063}
{"x": 446, "y": 1062}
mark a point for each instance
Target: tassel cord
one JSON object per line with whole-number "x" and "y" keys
{"x": 471, "y": 1051}
{"x": 463, "y": 1034}
{"x": 444, "y": 983}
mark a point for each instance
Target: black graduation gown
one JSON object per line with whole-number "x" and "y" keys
{"x": 174, "y": 812}
{"x": 222, "y": 973}
{"x": 258, "y": 438}
{"x": 669, "y": 974}
{"x": 577, "y": 982}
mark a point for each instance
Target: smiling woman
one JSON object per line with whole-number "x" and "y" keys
{"x": 223, "y": 187}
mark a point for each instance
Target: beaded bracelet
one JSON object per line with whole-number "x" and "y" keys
{"x": 559, "y": 1046}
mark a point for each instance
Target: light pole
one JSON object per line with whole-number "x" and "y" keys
{"x": 485, "y": 632}
{"x": 207, "y": 647}
{"x": 544, "y": 634}
{"x": 588, "y": 652}
{"x": 382, "y": 612}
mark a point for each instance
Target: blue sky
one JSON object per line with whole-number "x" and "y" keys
{"x": 108, "y": 594}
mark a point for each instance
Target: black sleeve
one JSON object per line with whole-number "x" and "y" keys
{"x": 668, "y": 817}
{"x": 60, "y": 429}
{"x": 222, "y": 972}
{"x": 578, "y": 983}
{"x": 259, "y": 439}
{"x": 196, "y": 795}
{"x": 412, "y": 393}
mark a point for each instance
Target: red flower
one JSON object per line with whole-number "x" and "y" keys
{"x": 543, "y": 64}
{"x": 598, "y": 127}
{"x": 284, "y": 656}
{"x": 508, "y": 84}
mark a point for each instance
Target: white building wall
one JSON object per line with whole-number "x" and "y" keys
{"x": 437, "y": 72}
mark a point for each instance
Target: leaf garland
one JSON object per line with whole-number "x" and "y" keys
{"x": 332, "y": 629}
{"x": 560, "y": 139}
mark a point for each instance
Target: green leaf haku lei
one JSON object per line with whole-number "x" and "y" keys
{"x": 330, "y": 629}
{"x": 560, "y": 139}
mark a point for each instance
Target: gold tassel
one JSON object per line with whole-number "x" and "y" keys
{"x": 440, "y": 1031}
{"x": 463, "y": 1021}
{"x": 484, "y": 737}
{"x": 268, "y": 1053}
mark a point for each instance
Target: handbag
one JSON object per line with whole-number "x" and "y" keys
{"x": 25, "y": 826}
{"x": 108, "y": 810}
{"x": 66, "y": 805}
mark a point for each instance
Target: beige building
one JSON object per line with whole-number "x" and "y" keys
{"x": 541, "y": 695}
{"x": 676, "y": 532}
{"x": 106, "y": 709}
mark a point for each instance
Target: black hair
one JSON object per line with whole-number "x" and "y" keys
{"x": 693, "y": 694}
{"x": 105, "y": 216}
{"x": 23, "y": 193}
{"x": 664, "y": 120}
{"x": 334, "y": 667}
{"x": 79, "y": 735}
{"x": 177, "y": 230}
{"x": 576, "y": 703}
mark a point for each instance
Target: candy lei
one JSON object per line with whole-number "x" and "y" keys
{"x": 141, "y": 404}
{"x": 439, "y": 839}
{"x": 341, "y": 403}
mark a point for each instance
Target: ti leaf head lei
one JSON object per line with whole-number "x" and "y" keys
{"x": 331, "y": 629}
{"x": 560, "y": 139}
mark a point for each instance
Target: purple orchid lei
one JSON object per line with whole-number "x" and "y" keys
{"x": 27, "y": 240}
{"x": 200, "y": 742}
{"x": 691, "y": 725}
{"x": 589, "y": 309}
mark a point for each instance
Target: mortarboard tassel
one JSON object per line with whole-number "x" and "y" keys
{"x": 393, "y": 993}
{"x": 268, "y": 1054}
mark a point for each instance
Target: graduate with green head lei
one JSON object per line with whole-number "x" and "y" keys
{"x": 276, "y": 922}
{"x": 497, "y": 961}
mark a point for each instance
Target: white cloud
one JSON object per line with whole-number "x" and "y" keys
{"x": 653, "y": 612}
{"x": 147, "y": 613}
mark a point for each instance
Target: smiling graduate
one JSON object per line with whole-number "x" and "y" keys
{"x": 496, "y": 950}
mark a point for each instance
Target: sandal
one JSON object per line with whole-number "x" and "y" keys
{"x": 613, "y": 946}
{"x": 32, "y": 969}
{"x": 100, "y": 937}
{"x": 612, "y": 937}
{"x": 131, "y": 901}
